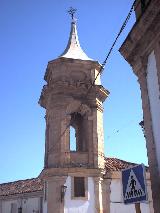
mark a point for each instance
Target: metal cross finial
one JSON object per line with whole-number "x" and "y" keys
{"x": 72, "y": 11}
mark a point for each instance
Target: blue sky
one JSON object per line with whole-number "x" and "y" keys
{"x": 35, "y": 32}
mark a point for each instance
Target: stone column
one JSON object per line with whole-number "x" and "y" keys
{"x": 150, "y": 199}
{"x": 106, "y": 191}
{"x": 95, "y": 138}
{"x": 98, "y": 139}
{"x": 53, "y": 139}
{"x": 98, "y": 184}
{"x": 151, "y": 151}
{"x": 65, "y": 141}
{"x": 46, "y": 144}
{"x": 90, "y": 140}
{"x": 54, "y": 203}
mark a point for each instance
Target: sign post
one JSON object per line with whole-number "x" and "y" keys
{"x": 137, "y": 208}
{"x": 134, "y": 186}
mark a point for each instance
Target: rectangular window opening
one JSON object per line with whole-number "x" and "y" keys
{"x": 20, "y": 210}
{"x": 79, "y": 187}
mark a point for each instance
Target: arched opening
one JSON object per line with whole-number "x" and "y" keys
{"x": 72, "y": 139}
{"x": 77, "y": 133}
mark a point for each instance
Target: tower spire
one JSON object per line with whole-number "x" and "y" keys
{"x": 73, "y": 49}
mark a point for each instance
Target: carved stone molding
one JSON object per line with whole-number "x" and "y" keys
{"x": 140, "y": 67}
{"x": 143, "y": 35}
{"x": 60, "y": 171}
{"x": 77, "y": 106}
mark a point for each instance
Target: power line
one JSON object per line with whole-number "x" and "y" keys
{"x": 118, "y": 35}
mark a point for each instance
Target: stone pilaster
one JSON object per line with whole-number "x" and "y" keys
{"x": 150, "y": 199}
{"x": 54, "y": 203}
{"x": 46, "y": 144}
{"x": 90, "y": 139}
{"x": 64, "y": 141}
{"x": 98, "y": 184}
{"x": 157, "y": 56}
{"x": 151, "y": 150}
{"x": 106, "y": 191}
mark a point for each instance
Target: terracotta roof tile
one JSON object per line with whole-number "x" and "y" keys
{"x": 21, "y": 186}
{"x": 114, "y": 164}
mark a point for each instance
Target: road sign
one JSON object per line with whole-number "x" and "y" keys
{"x": 134, "y": 184}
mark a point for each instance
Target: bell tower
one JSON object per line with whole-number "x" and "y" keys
{"x": 73, "y": 98}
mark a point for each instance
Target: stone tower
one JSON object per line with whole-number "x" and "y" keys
{"x": 73, "y": 179}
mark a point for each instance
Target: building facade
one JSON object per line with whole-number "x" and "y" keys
{"x": 141, "y": 49}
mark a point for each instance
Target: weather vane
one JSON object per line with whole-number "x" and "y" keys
{"x": 72, "y": 11}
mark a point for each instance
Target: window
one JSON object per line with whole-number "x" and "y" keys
{"x": 79, "y": 187}
{"x": 78, "y": 133}
{"x": 72, "y": 139}
{"x": 20, "y": 210}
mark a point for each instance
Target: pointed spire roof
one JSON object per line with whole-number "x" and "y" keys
{"x": 73, "y": 49}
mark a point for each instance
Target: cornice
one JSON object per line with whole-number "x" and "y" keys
{"x": 59, "y": 172}
{"x": 143, "y": 35}
{"x": 74, "y": 88}
{"x": 71, "y": 64}
{"x": 74, "y": 61}
{"x": 101, "y": 92}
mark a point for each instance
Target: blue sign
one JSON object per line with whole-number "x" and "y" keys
{"x": 134, "y": 185}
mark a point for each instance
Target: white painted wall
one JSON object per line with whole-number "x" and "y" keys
{"x": 45, "y": 207}
{"x": 28, "y": 205}
{"x": 154, "y": 97}
{"x": 79, "y": 206}
{"x": 6, "y": 206}
{"x": 117, "y": 205}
